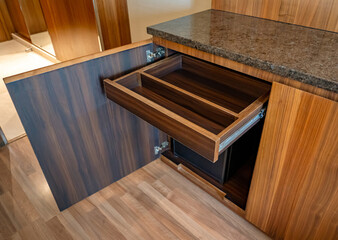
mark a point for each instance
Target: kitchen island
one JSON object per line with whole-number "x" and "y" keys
{"x": 84, "y": 141}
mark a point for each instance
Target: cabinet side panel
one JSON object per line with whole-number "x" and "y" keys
{"x": 82, "y": 140}
{"x": 17, "y": 18}
{"x": 297, "y": 157}
{"x": 318, "y": 197}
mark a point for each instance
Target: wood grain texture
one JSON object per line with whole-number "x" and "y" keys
{"x": 173, "y": 124}
{"x": 72, "y": 27}
{"x": 17, "y": 18}
{"x": 322, "y": 14}
{"x": 82, "y": 140}
{"x": 6, "y": 25}
{"x": 33, "y": 15}
{"x": 294, "y": 188}
{"x": 188, "y": 114}
{"x": 114, "y": 22}
{"x": 154, "y": 202}
{"x": 197, "y": 104}
{"x": 251, "y": 71}
{"x": 218, "y": 85}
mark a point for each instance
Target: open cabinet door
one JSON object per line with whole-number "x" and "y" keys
{"x": 83, "y": 141}
{"x": 72, "y": 27}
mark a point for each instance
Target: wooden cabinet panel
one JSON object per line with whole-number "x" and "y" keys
{"x": 82, "y": 140}
{"x": 6, "y": 25}
{"x": 322, "y": 14}
{"x": 72, "y": 27}
{"x": 293, "y": 193}
{"x": 114, "y": 22}
{"x": 34, "y": 18}
{"x": 17, "y": 17}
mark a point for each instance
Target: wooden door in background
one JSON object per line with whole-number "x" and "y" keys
{"x": 294, "y": 190}
{"x": 72, "y": 27}
{"x": 34, "y": 18}
{"x": 17, "y": 18}
{"x": 114, "y": 22}
{"x": 6, "y": 25}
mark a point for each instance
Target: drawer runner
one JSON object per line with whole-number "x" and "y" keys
{"x": 246, "y": 127}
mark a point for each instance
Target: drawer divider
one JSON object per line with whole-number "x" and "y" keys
{"x": 178, "y": 89}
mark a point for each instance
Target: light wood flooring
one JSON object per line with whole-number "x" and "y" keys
{"x": 154, "y": 202}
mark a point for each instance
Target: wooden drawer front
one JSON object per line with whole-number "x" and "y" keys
{"x": 203, "y": 106}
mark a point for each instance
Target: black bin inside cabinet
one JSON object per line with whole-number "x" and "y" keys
{"x": 232, "y": 172}
{"x": 214, "y": 170}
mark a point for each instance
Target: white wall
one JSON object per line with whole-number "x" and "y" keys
{"x": 144, "y": 13}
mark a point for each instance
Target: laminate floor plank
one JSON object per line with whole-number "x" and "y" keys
{"x": 154, "y": 202}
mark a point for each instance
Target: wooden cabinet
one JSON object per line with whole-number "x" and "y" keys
{"x": 16, "y": 17}
{"x": 6, "y": 24}
{"x": 72, "y": 27}
{"x": 84, "y": 141}
{"x": 82, "y": 27}
{"x": 294, "y": 190}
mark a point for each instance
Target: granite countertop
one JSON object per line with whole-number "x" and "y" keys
{"x": 300, "y": 53}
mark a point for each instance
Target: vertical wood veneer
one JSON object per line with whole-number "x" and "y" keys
{"x": 294, "y": 189}
{"x": 31, "y": 9}
{"x": 17, "y": 18}
{"x": 72, "y": 27}
{"x": 6, "y": 25}
{"x": 114, "y": 22}
{"x": 322, "y": 14}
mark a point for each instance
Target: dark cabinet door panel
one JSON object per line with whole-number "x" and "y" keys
{"x": 83, "y": 141}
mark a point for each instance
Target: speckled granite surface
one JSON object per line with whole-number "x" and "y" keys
{"x": 304, "y": 54}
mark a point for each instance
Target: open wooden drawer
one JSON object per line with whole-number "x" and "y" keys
{"x": 204, "y": 106}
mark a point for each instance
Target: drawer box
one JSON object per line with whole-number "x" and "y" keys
{"x": 203, "y": 106}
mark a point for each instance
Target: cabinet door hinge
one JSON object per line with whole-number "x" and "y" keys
{"x": 158, "y": 149}
{"x": 158, "y": 53}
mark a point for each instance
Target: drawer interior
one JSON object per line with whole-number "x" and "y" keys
{"x": 204, "y": 106}
{"x": 192, "y": 109}
{"x": 228, "y": 89}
